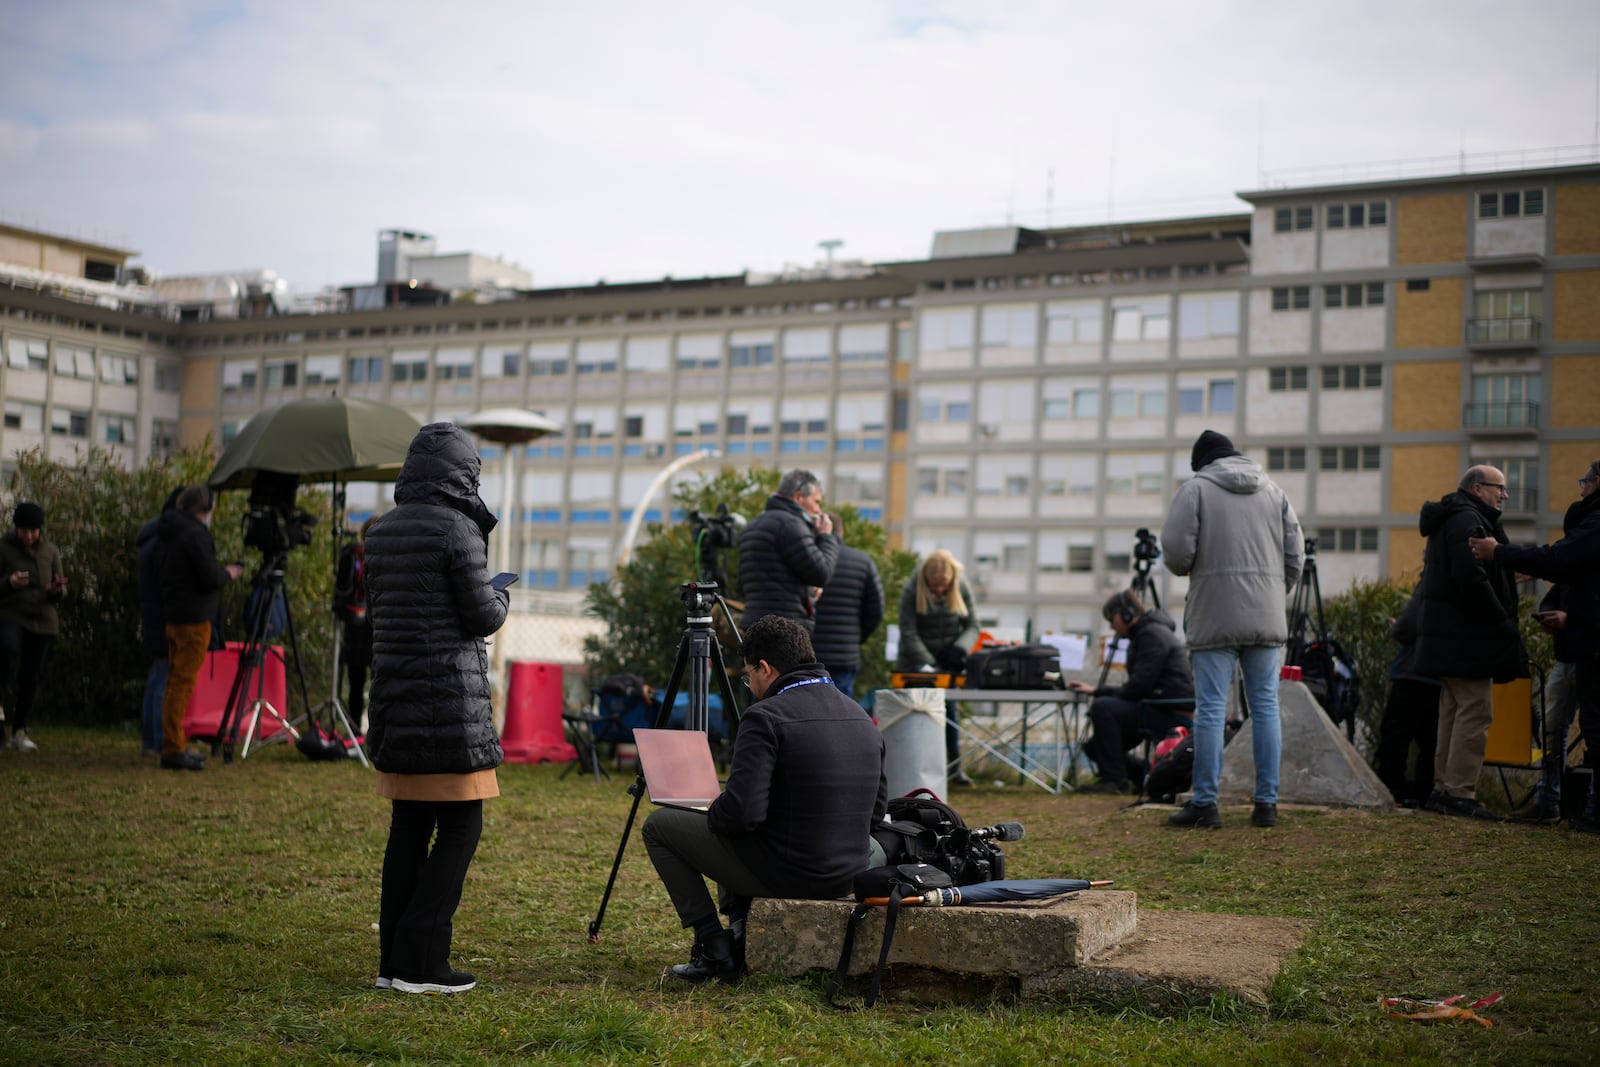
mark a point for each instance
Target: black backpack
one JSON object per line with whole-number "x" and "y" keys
{"x": 1172, "y": 773}
{"x": 1330, "y": 673}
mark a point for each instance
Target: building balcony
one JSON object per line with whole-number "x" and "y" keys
{"x": 1503, "y": 334}
{"x": 1501, "y": 418}
{"x": 1507, "y": 261}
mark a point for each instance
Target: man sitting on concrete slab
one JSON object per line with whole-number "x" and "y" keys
{"x": 795, "y": 818}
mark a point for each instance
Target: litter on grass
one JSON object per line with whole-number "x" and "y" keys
{"x": 1432, "y": 1011}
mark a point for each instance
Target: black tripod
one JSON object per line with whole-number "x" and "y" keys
{"x": 268, "y": 587}
{"x": 1141, "y": 587}
{"x": 1305, "y": 613}
{"x": 698, "y": 653}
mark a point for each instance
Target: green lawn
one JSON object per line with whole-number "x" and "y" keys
{"x": 149, "y": 916}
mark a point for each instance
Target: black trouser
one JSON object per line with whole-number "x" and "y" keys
{"x": 1587, "y": 676}
{"x": 357, "y": 656}
{"x": 1411, "y": 714}
{"x": 421, "y": 889}
{"x": 685, "y": 853}
{"x": 25, "y": 653}
{"x": 1120, "y": 725}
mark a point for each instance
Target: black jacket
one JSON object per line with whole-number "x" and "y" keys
{"x": 923, "y": 637}
{"x": 191, "y": 577}
{"x": 152, "y": 623}
{"x": 1573, "y": 561}
{"x": 849, "y": 610}
{"x": 1405, "y": 631}
{"x": 431, "y": 605}
{"x": 805, "y": 789}
{"x": 1468, "y": 626}
{"x": 1158, "y": 663}
{"x": 781, "y": 558}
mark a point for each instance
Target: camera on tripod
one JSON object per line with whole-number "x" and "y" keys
{"x": 1146, "y": 549}
{"x": 1311, "y": 547}
{"x": 273, "y": 525}
{"x": 712, "y": 535}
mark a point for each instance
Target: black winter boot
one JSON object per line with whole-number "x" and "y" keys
{"x": 710, "y": 958}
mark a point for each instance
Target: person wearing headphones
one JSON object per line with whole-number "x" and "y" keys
{"x": 1158, "y": 669}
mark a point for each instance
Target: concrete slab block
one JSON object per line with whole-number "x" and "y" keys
{"x": 1318, "y": 766}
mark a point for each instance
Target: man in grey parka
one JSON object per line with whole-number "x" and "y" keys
{"x": 1235, "y": 534}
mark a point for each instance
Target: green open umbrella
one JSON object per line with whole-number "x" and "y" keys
{"x": 327, "y": 439}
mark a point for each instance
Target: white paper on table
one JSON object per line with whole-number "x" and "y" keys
{"x": 1120, "y": 659}
{"x": 891, "y": 645}
{"x": 1073, "y": 649}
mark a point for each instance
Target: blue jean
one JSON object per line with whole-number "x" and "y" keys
{"x": 155, "y": 690}
{"x": 845, "y": 681}
{"x": 1213, "y": 673}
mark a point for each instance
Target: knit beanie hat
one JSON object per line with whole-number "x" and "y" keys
{"x": 1209, "y": 447}
{"x": 28, "y": 516}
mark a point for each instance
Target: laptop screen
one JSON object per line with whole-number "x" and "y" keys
{"x": 678, "y": 768}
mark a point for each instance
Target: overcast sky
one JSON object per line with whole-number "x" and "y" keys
{"x": 632, "y": 140}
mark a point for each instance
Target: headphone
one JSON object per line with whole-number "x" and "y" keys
{"x": 1126, "y": 606}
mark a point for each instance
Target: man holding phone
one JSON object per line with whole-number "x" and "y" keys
{"x": 1468, "y": 636}
{"x": 787, "y": 553}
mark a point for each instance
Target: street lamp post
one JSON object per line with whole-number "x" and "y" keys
{"x": 510, "y": 428}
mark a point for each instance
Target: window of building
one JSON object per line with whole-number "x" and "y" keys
{"x": 690, "y": 420}
{"x": 282, "y": 374}
{"x": 699, "y": 351}
{"x": 1080, "y": 559}
{"x": 1291, "y": 298}
{"x": 1348, "y": 458}
{"x": 942, "y": 478}
{"x": 1354, "y": 295}
{"x": 1357, "y": 214}
{"x": 943, "y": 329}
{"x": 495, "y": 362}
{"x": 118, "y": 430}
{"x": 647, "y": 355}
{"x": 1286, "y": 459}
{"x": 454, "y": 364}
{"x": 1505, "y": 400}
{"x": 74, "y": 362}
{"x": 1134, "y": 474}
{"x": 169, "y": 378}
{"x": 743, "y": 353}
{"x": 1067, "y": 475}
{"x": 28, "y": 353}
{"x": 1511, "y": 204}
{"x": 163, "y": 437}
{"x": 119, "y": 369}
{"x": 803, "y": 416}
{"x": 547, "y": 359}
{"x": 1208, "y": 315}
{"x": 409, "y": 367}
{"x": 1191, "y": 400}
{"x": 1347, "y": 539}
{"x": 239, "y": 376}
{"x": 809, "y": 345}
{"x": 1069, "y": 322}
{"x": 1353, "y": 376}
{"x": 65, "y": 422}
{"x": 1221, "y": 394}
{"x": 366, "y": 370}
{"x": 1288, "y": 219}
{"x": 597, "y": 356}
{"x": 1141, "y": 320}
{"x": 323, "y": 370}
{"x": 1010, "y": 325}
{"x": 21, "y": 415}
{"x": 944, "y": 403}
{"x": 1286, "y": 379}
{"x": 867, "y": 343}
{"x": 1005, "y": 476}
{"x": 1418, "y": 285}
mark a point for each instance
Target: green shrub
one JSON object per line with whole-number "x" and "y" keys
{"x": 93, "y": 509}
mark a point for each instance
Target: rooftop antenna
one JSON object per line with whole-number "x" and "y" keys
{"x": 827, "y": 247}
{"x": 1261, "y": 142}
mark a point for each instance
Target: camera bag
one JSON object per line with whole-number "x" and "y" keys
{"x": 1015, "y": 667}
{"x": 890, "y": 883}
{"x": 924, "y": 829}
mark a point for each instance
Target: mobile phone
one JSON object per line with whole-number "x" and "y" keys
{"x": 1477, "y": 531}
{"x": 503, "y": 579}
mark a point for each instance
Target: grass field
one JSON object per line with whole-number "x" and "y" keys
{"x": 153, "y": 917}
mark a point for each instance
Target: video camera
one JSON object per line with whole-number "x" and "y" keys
{"x": 721, "y": 530}
{"x": 1146, "y": 549}
{"x": 273, "y": 525}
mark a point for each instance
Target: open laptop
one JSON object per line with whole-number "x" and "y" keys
{"x": 678, "y": 768}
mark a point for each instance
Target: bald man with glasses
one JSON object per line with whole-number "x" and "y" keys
{"x": 1468, "y": 635}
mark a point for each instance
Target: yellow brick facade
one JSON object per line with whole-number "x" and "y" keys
{"x": 1574, "y": 391}
{"x": 1405, "y": 553}
{"x": 1431, "y": 229}
{"x": 1427, "y": 396}
{"x": 1577, "y": 220}
{"x": 1421, "y": 472}
{"x": 192, "y": 430}
{"x": 200, "y": 384}
{"x": 1568, "y": 461}
{"x": 1575, "y": 311}
{"x": 1428, "y": 319}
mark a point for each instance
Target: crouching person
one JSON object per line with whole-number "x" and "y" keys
{"x": 795, "y": 818}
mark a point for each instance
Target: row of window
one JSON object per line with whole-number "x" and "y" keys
{"x": 111, "y": 429}
{"x": 1353, "y": 295}
{"x": 1348, "y": 377}
{"x": 1503, "y": 204}
{"x": 71, "y": 361}
{"x": 1329, "y": 458}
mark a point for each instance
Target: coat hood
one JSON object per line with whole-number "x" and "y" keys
{"x": 1161, "y": 618}
{"x": 1435, "y": 512}
{"x": 1236, "y": 474}
{"x": 441, "y": 468}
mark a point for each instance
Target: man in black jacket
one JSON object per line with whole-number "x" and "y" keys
{"x": 787, "y": 552}
{"x": 849, "y": 610}
{"x": 1158, "y": 670}
{"x": 796, "y": 816}
{"x": 1468, "y": 635}
{"x": 191, "y": 594}
{"x": 1573, "y": 561}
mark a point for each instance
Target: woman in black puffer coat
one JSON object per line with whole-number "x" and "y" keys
{"x": 432, "y": 737}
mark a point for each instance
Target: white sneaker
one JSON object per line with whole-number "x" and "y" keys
{"x": 21, "y": 742}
